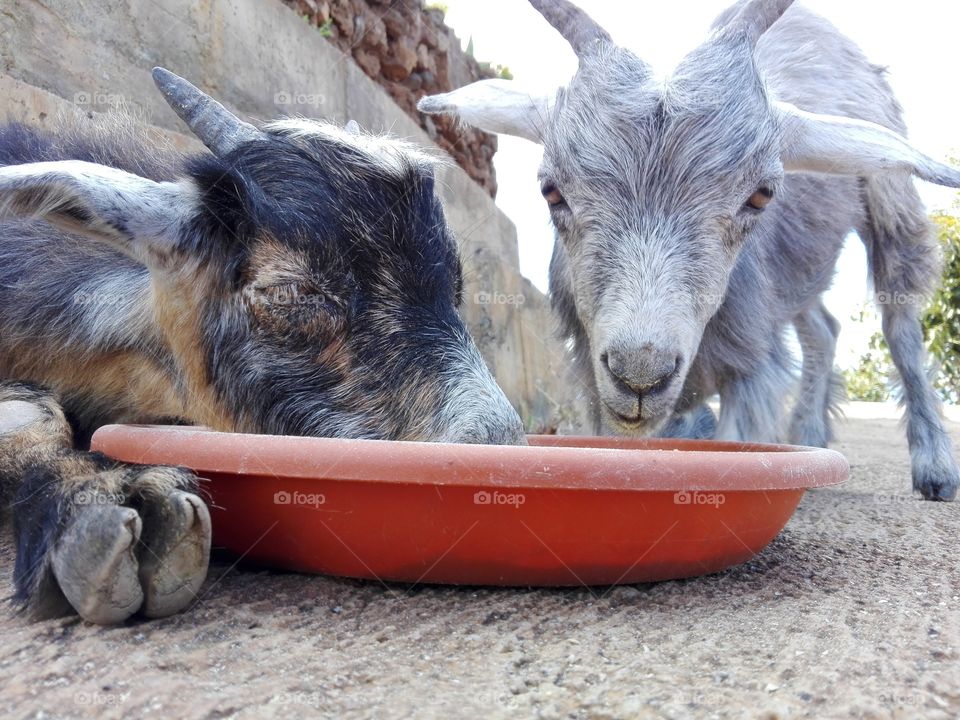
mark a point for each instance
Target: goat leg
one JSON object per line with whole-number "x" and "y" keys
{"x": 101, "y": 538}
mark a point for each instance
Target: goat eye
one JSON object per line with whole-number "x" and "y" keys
{"x": 293, "y": 301}
{"x": 552, "y": 195}
{"x": 760, "y": 199}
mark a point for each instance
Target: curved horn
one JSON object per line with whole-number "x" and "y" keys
{"x": 218, "y": 128}
{"x": 757, "y": 16}
{"x": 577, "y": 28}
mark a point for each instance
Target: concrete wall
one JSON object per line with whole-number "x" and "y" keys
{"x": 263, "y": 61}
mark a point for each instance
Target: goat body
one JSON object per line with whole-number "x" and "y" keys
{"x": 698, "y": 218}
{"x": 299, "y": 280}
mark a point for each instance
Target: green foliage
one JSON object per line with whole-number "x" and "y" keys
{"x": 442, "y": 7}
{"x": 869, "y": 381}
{"x": 500, "y": 71}
{"x": 326, "y": 29}
{"x": 941, "y": 320}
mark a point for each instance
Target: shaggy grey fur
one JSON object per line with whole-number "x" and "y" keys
{"x": 699, "y": 218}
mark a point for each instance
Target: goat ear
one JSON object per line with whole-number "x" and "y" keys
{"x": 137, "y": 216}
{"x": 846, "y": 146}
{"x": 498, "y": 106}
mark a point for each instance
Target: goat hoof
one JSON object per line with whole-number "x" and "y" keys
{"x": 95, "y": 565}
{"x": 937, "y": 483}
{"x": 175, "y": 554}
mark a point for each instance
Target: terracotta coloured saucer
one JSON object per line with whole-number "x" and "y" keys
{"x": 563, "y": 511}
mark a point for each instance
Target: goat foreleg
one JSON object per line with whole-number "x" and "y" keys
{"x": 751, "y": 404}
{"x": 104, "y": 538}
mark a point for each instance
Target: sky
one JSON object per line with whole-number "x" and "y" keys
{"x": 916, "y": 41}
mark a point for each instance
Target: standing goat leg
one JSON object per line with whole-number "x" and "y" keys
{"x": 821, "y": 388}
{"x": 751, "y": 405}
{"x": 905, "y": 262}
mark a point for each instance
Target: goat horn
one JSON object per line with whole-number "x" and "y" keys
{"x": 215, "y": 126}
{"x": 758, "y": 15}
{"x": 577, "y": 28}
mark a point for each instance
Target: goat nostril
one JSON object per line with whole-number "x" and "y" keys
{"x": 605, "y": 359}
{"x": 665, "y": 374}
{"x": 642, "y": 372}
{"x": 621, "y": 369}
{"x": 677, "y": 362}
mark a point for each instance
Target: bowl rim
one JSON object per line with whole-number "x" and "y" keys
{"x": 549, "y": 462}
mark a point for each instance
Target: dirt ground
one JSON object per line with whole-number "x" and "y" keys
{"x": 854, "y": 611}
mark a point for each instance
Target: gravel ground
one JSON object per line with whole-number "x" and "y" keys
{"x": 853, "y": 611}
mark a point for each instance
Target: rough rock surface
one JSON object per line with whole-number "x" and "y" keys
{"x": 407, "y": 49}
{"x": 853, "y": 612}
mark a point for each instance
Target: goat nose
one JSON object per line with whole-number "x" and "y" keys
{"x": 643, "y": 370}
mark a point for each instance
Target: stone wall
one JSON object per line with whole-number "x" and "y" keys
{"x": 408, "y": 50}
{"x": 262, "y": 60}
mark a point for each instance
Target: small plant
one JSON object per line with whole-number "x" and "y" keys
{"x": 941, "y": 320}
{"x": 869, "y": 381}
{"x": 326, "y": 29}
{"x": 503, "y": 72}
{"x": 500, "y": 71}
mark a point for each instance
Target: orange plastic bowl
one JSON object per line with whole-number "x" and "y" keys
{"x": 564, "y": 511}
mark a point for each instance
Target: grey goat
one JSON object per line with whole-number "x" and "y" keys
{"x": 699, "y": 217}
